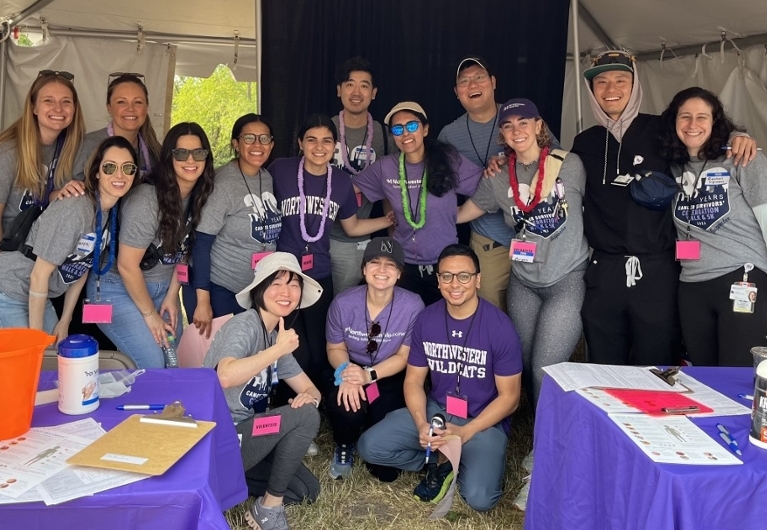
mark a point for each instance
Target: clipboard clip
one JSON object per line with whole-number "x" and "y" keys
{"x": 173, "y": 415}
{"x": 668, "y": 375}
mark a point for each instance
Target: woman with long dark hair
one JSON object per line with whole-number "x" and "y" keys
{"x": 157, "y": 222}
{"x": 720, "y": 215}
{"x": 421, "y": 184}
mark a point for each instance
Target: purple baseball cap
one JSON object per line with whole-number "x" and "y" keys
{"x": 524, "y": 108}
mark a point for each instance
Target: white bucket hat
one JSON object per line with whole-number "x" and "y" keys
{"x": 280, "y": 261}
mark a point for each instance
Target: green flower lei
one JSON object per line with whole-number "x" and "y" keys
{"x": 406, "y": 196}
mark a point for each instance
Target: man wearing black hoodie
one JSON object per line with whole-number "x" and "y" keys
{"x": 630, "y": 311}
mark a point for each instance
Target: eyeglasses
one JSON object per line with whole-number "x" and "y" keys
{"x": 463, "y": 277}
{"x": 117, "y": 75}
{"x": 56, "y": 73}
{"x": 250, "y": 139}
{"x": 182, "y": 155}
{"x": 128, "y": 168}
{"x": 466, "y": 81}
{"x": 399, "y": 130}
{"x": 375, "y": 330}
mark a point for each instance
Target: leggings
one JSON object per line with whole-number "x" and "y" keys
{"x": 548, "y": 320}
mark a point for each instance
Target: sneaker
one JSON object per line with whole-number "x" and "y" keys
{"x": 313, "y": 450}
{"x": 435, "y": 484}
{"x": 343, "y": 460}
{"x": 520, "y": 502}
{"x": 527, "y": 463}
{"x": 259, "y": 517}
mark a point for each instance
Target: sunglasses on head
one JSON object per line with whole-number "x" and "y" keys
{"x": 117, "y": 75}
{"x": 250, "y": 139}
{"x": 375, "y": 330}
{"x": 182, "y": 155}
{"x": 399, "y": 130}
{"x": 128, "y": 168}
{"x": 56, "y": 73}
{"x": 616, "y": 57}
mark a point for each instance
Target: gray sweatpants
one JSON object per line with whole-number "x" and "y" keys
{"x": 548, "y": 321}
{"x": 298, "y": 427}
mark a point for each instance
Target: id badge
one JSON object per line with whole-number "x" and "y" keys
{"x": 257, "y": 256}
{"x": 457, "y": 405}
{"x": 522, "y": 250}
{"x": 743, "y": 296}
{"x": 688, "y": 249}
{"x": 372, "y": 392}
{"x": 269, "y": 424}
{"x": 359, "y": 199}
{"x": 97, "y": 312}
{"x": 622, "y": 180}
{"x": 86, "y": 244}
{"x": 307, "y": 262}
{"x": 182, "y": 273}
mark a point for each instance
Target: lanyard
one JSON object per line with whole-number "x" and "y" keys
{"x": 260, "y": 188}
{"x": 111, "y": 224}
{"x": 271, "y": 370}
{"x": 688, "y": 198}
{"x": 374, "y": 354}
{"x": 458, "y": 363}
{"x": 489, "y": 139}
{"x": 49, "y": 178}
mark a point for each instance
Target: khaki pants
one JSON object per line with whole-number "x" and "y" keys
{"x": 495, "y": 266}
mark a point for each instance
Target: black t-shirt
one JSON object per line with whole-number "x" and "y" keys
{"x": 612, "y": 221}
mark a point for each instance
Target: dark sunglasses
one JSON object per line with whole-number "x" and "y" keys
{"x": 375, "y": 330}
{"x": 117, "y": 75}
{"x": 399, "y": 130}
{"x": 182, "y": 155}
{"x": 616, "y": 57}
{"x": 56, "y": 73}
{"x": 250, "y": 139}
{"x": 128, "y": 168}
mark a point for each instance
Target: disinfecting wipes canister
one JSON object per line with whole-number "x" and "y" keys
{"x": 78, "y": 374}
{"x": 758, "y": 434}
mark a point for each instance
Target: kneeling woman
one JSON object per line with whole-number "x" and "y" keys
{"x": 63, "y": 244}
{"x": 250, "y": 353}
{"x": 368, "y": 334}
{"x": 721, "y": 219}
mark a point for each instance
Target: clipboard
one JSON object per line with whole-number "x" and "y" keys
{"x": 149, "y": 447}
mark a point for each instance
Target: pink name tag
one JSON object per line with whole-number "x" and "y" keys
{"x": 257, "y": 256}
{"x": 97, "y": 313}
{"x": 371, "y": 391}
{"x": 457, "y": 406}
{"x": 523, "y": 251}
{"x": 182, "y": 273}
{"x": 266, "y": 425}
{"x": 689, "y": 249}
{"x": 359, "y": 199}
{"x": 307, "y": 262}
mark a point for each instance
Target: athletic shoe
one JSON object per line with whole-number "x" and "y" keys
{"x": 262, "y": 518}
{"x": 435, "y": 484}
{"x": 527, "y": 463}
{"x": 520, "y": 502}
{"x": 343, "y": 460}
{"x": 313, "y": 450}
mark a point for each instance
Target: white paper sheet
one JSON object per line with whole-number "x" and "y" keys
{"x": 572, "y": 376}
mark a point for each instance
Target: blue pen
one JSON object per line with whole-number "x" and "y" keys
{"x": 152, "y": 406}
{"x": 748, "y": 397}
{"x": 725, "y": 435}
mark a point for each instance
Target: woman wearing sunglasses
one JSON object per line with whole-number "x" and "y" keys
{"x": 240, "y": 225}
{"x": 128, "y": 108}
{"x": 37, "y": 152}
{"x": 157, "y": 221}
{"x": 421, "y": 184}
{"x": 368, "y": 340}
{"x": 64, "y": 243}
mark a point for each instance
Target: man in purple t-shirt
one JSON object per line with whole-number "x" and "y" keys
{"x": 473, "y": 354}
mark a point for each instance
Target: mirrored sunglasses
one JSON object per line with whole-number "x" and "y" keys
{"x": 250, "y": 139}
{"x": 182, "y": 155}
{"x": 463, "y": 277}
{"x": 56, "y": 73}
{"x": 399, "y": 130}
{"x": 128, "y": 168}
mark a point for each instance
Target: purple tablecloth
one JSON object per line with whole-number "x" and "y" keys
{"x": 191, "y": 495}
{"x": 588, "y": 475}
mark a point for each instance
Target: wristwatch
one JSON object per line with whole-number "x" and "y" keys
{"x": 373, "y": 374}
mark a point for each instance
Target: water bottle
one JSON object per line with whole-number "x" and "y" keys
{"x": 169, "y": 353}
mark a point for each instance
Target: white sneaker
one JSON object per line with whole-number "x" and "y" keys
{"x": 527, "y": 463}
{"x": 520, "y": 502}
{"x": 313, "y": 450}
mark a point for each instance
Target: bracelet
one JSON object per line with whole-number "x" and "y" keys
{"x": 148, "y": 313}
{"x": 316, "y": 402}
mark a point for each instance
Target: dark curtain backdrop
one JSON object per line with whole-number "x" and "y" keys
{"x": 414, "y": 46}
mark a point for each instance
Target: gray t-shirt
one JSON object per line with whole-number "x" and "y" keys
{"x": 63, "y": 235}
{"x": 560, "y": 244}
{"x": 356, "y": 139}
{"x": 244, "y": 335}
{"x": 139, "y": 227}
{"x": 90, "y": 142}
{"x": 718, "y": 200}
{"x": 245, "y": 218}
{"x": 16, "y": 199}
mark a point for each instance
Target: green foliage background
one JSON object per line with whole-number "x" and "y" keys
{"x": 215, "y": 103}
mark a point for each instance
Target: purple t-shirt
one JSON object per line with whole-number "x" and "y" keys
{"x": 349, "y": 322}
{"x": 446, "y": 346}
{"x": 343, "y": 204}
{"x": 421, "y": 246}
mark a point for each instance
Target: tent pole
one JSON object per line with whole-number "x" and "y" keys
{"x": 259, "y": 44}
{"x": 577, "y": 70}
{"x": 17, "y": 19}
{"x": 162, "y": 38}
{"x": 3, "y": 78}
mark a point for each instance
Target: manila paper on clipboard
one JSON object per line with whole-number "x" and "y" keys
{"x": 142, "y": 447}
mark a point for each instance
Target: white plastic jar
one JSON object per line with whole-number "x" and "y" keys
{"x": 78, "y": 374}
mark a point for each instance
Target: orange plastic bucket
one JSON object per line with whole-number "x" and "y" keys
{"x": 21, "y": 356}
